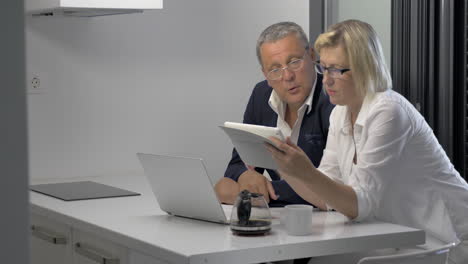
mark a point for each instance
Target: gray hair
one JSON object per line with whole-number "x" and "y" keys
{"x": 279, "y": 31}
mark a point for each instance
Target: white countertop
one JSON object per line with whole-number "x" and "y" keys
{"x": 138, "y": 223}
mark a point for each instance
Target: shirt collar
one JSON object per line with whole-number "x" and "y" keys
{"x": 362, "y": 116}
{"x": 364, "y": 112}
{"x": 346, "y": 122}
{"x": 279, "y": 106}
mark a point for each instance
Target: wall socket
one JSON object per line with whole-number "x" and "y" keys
{"x": 34, "y": 85}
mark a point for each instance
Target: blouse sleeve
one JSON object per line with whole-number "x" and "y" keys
{"x": 389, "y": 128}
{"x": 329, "y": 163}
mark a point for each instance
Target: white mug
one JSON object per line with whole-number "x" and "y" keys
{"x": 297, "y": 218}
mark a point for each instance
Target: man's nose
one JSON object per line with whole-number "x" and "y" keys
{"x": 288, "y": 74}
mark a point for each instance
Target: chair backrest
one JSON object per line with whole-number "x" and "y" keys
{"x": 433, "y": 256}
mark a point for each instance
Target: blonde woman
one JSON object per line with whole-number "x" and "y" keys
{"x": 382, "y": 160}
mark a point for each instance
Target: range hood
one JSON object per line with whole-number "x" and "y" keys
{"x": 89, "y": 8}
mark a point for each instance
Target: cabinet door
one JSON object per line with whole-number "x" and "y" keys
{"x": 136, "y": 257}
{"x": 91, "y": 249}
{"x": 50, "y": 241}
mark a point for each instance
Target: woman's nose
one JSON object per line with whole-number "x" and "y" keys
{"x": 327, "y": 80}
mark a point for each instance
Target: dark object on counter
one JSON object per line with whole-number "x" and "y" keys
{"x": 82, "y": 190}
{"x": 250, "y": 215}
{"x": 244, "y": 208}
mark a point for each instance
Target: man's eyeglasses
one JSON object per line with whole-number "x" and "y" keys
{"x": 332, "y": 71}
{"x": 294, "y": 66}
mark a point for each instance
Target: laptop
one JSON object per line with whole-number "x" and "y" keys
{"x": 182, "y": 187}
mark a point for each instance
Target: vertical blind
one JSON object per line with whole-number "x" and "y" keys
{"x": 461, "y": 87}
{"x": 429, "y": 68}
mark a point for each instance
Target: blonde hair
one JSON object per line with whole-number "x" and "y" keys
{"x": 364, "y": 54}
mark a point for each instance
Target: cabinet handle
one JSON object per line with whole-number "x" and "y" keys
{"x": 94, "y": 255}
{"x": 47, "y": 235}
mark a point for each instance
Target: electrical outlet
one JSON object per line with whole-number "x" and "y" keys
{"x": 34, "y": 85}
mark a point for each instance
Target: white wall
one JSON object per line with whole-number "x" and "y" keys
{"x": 377, "y": 13}
{"x": 159, "y": 82}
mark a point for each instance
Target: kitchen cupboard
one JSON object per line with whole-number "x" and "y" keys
{"x": 50, "y": 241}
{"x": 53, "y": 242}
{"x": 92, "y": 8}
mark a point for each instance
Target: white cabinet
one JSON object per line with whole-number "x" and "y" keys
{"x": 89, "y": 8}
{"x": 50, "y": 241}
{"x": 53, "y": 242}
{"x": 91, "y": 249}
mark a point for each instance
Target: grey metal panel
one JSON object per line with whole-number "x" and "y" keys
{"x": 14, "y": 198}
{"x": 316, "y": 19}
{"x": 331, "y": 12}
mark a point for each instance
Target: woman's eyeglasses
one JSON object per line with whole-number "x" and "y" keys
{"x": 332, "y": 71}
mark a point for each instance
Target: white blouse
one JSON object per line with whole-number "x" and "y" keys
{"x": 402, "y": 173}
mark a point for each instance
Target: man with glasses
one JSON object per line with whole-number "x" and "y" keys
{"x": 291, "y": 98}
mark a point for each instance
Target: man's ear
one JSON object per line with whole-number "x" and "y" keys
{"x": 313, "y": 54}
{"x": 265, "y": 74}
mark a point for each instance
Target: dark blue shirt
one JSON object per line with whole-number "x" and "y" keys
{"x": 312, "y": 136}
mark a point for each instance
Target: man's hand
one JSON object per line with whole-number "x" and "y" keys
{"x": 253, "y": 181}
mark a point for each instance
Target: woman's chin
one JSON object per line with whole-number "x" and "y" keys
{"x": 335, "y": 101}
